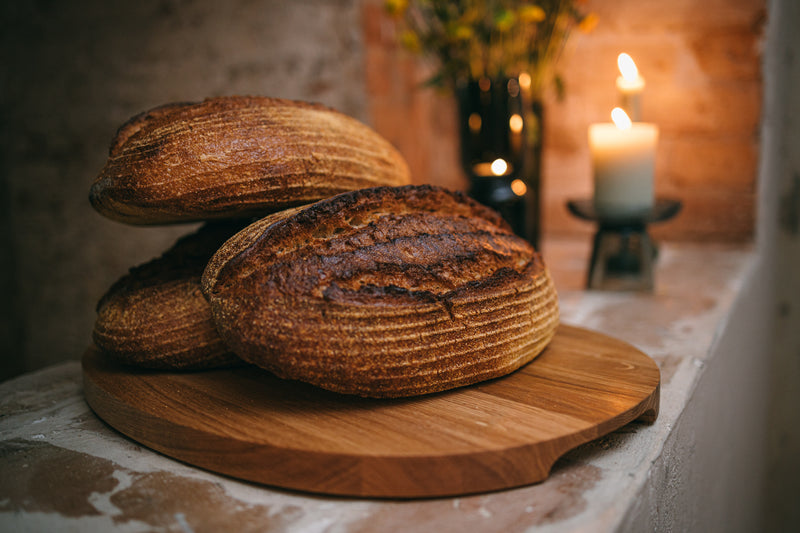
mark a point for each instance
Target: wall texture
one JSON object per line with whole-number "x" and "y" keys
{"x": 72, "y": 72}
{"x": 779, "y": 241}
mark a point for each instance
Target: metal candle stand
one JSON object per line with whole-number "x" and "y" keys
{"x": 623, "y": 252}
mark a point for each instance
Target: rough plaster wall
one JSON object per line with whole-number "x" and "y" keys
{"x": 72, "y": 72}
{"x": 711, "y": 473}
{"x": 779, "y": 237}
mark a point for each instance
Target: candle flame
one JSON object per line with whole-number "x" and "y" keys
{"x": 499, "y": 167}
{"x": 621, "y": 119}
{"x": 627, "y": 67}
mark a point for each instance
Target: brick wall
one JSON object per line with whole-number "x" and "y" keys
{"x": 701, "y": 60}
{"x": 420, "y": 122}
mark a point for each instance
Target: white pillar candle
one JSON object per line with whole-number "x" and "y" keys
{"x": 623, "y": 160}
{"x": 630, "y": 85}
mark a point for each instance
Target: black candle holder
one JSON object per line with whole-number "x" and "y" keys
{"x": 623, "y": 252}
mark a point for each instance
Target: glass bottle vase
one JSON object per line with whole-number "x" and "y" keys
{"x": 500, "y": 130}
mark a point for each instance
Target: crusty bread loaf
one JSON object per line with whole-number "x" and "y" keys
{"x": 156, "y": 316}
{"x": 233, "y": 157}
{"x": 383, "y": 292}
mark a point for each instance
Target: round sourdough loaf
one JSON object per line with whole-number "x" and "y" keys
{"x": 383, "y": 292}
{"x": 156, "y": 316}
{"x": 235, "y": 157}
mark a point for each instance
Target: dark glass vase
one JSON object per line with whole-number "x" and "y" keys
{"x": 501, "y": 149}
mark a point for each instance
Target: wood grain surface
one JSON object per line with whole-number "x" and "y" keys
{"x": 508, "y": 432}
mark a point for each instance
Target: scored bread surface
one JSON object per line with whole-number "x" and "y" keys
{"x": 383, "y": 292}
{"x": 156, "y": 316}
{"x": 236, "y": 157}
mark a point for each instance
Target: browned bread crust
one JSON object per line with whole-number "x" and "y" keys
{"x": 383, "y": 292}
{"x": 156, "y": 316}
{"x": 233, "y": 157}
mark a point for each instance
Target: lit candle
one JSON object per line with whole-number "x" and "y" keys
{"x": 630, "y": 86}
{"x": 623, "y": 159}
{"x": 498, "y": 167}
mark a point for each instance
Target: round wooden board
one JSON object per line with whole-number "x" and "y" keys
{"x": 508, "y": 432}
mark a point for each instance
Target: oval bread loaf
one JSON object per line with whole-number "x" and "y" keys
{"x": 236, "y": 157}
{"x": 156, "y": 316}
{"x": 383, "y": 292}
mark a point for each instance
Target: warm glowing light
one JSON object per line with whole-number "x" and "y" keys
{"x": 621, "y": 119}
{"x": 515, "y": 123}
{"x": 627, "y": 67}
{"x": 475, "y": 123}
{"x": 499, "y": 167}
{"x": 524, "y": 80}
{"x": 485, "y": 84}
{"x": 518, "y": 187}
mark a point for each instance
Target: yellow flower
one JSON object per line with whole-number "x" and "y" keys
{"x": 588, "y": 23}
{"x": 410, "y": 41}
{"x": 396, "y": 8}
{"x": 463, "y": 33}
{"x": 532, "y": 14}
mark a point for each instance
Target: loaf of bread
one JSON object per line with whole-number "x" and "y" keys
{"x": 235, "y": 157}
{"x": 156, "y": 316}
{"x": 383, "y": 292}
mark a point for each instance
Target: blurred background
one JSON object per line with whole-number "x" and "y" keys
{"x": 73, "y": 72}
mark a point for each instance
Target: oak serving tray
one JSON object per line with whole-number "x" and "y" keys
{"x": 508, "y": 432}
